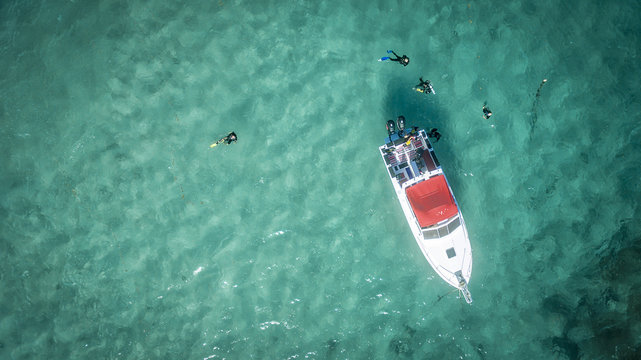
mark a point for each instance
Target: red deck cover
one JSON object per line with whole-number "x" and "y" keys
{"x": 431, "y": 201}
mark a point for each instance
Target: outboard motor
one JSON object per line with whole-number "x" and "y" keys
{"x": 391, "y": 127}
{"x": 401, "y": 123}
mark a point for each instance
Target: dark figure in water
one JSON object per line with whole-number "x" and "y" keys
{"x": 538, "y": 92}
{"x": 486, "y": 111}
{"x": 404, "y": 60}
{"x": 230, "y": 138}
{"x": 435, "y": 134}
{"x": 534, "y": 106}
{"x": 424, "y": 86}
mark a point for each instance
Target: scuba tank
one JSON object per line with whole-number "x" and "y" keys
{"x": 391, "y": 127}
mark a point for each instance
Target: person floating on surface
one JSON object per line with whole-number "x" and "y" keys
{"x": 435, "y": 134}
{"x": 231, "y": 137}
{"x": 424, "y": 86}
{"x": 486, "y": 112}
{"x": 404, "y": 60}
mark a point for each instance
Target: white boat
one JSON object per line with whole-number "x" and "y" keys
{"x": 429, "y": 204}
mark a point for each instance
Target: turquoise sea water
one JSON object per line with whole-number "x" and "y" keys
{"x": 124, "y": 236}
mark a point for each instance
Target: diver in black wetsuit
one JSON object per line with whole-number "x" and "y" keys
{"x": 435, "y": 134}
{"x": 404, "y": 60}
{"x": 230, "y": 138}
{"x": 486, "y": 112}
{"x": 424, "y": 86}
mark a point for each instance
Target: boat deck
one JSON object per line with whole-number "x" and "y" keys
{"x": 408, "y": 160}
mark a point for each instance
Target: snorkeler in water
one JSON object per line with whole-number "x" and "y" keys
{"x": 435, "y": 134}
{"x": 230, "y": 138}
{"x": 486, "y": 111}
{"x": 424, "y": 86}
{"x": 403, "y": 60}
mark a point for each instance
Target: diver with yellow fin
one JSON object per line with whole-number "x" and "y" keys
{"x": 231, "y": 137}
{"x": 425, "y": 87}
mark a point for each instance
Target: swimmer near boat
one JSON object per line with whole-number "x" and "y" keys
{"x": 430, "y": 91}
{"x": 425, "y": 87}
{"x": 231, "y": 137}
{"x": 403, "y": 60}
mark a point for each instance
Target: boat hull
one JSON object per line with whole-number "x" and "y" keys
{"x": 439, "y": 231}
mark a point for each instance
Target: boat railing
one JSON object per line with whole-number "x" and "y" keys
{"x": 462, "y": 287}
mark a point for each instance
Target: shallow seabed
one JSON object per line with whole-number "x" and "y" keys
{"x": 124, "y": 236}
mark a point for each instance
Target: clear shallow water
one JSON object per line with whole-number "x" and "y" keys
{"x": 124, "y": 236}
